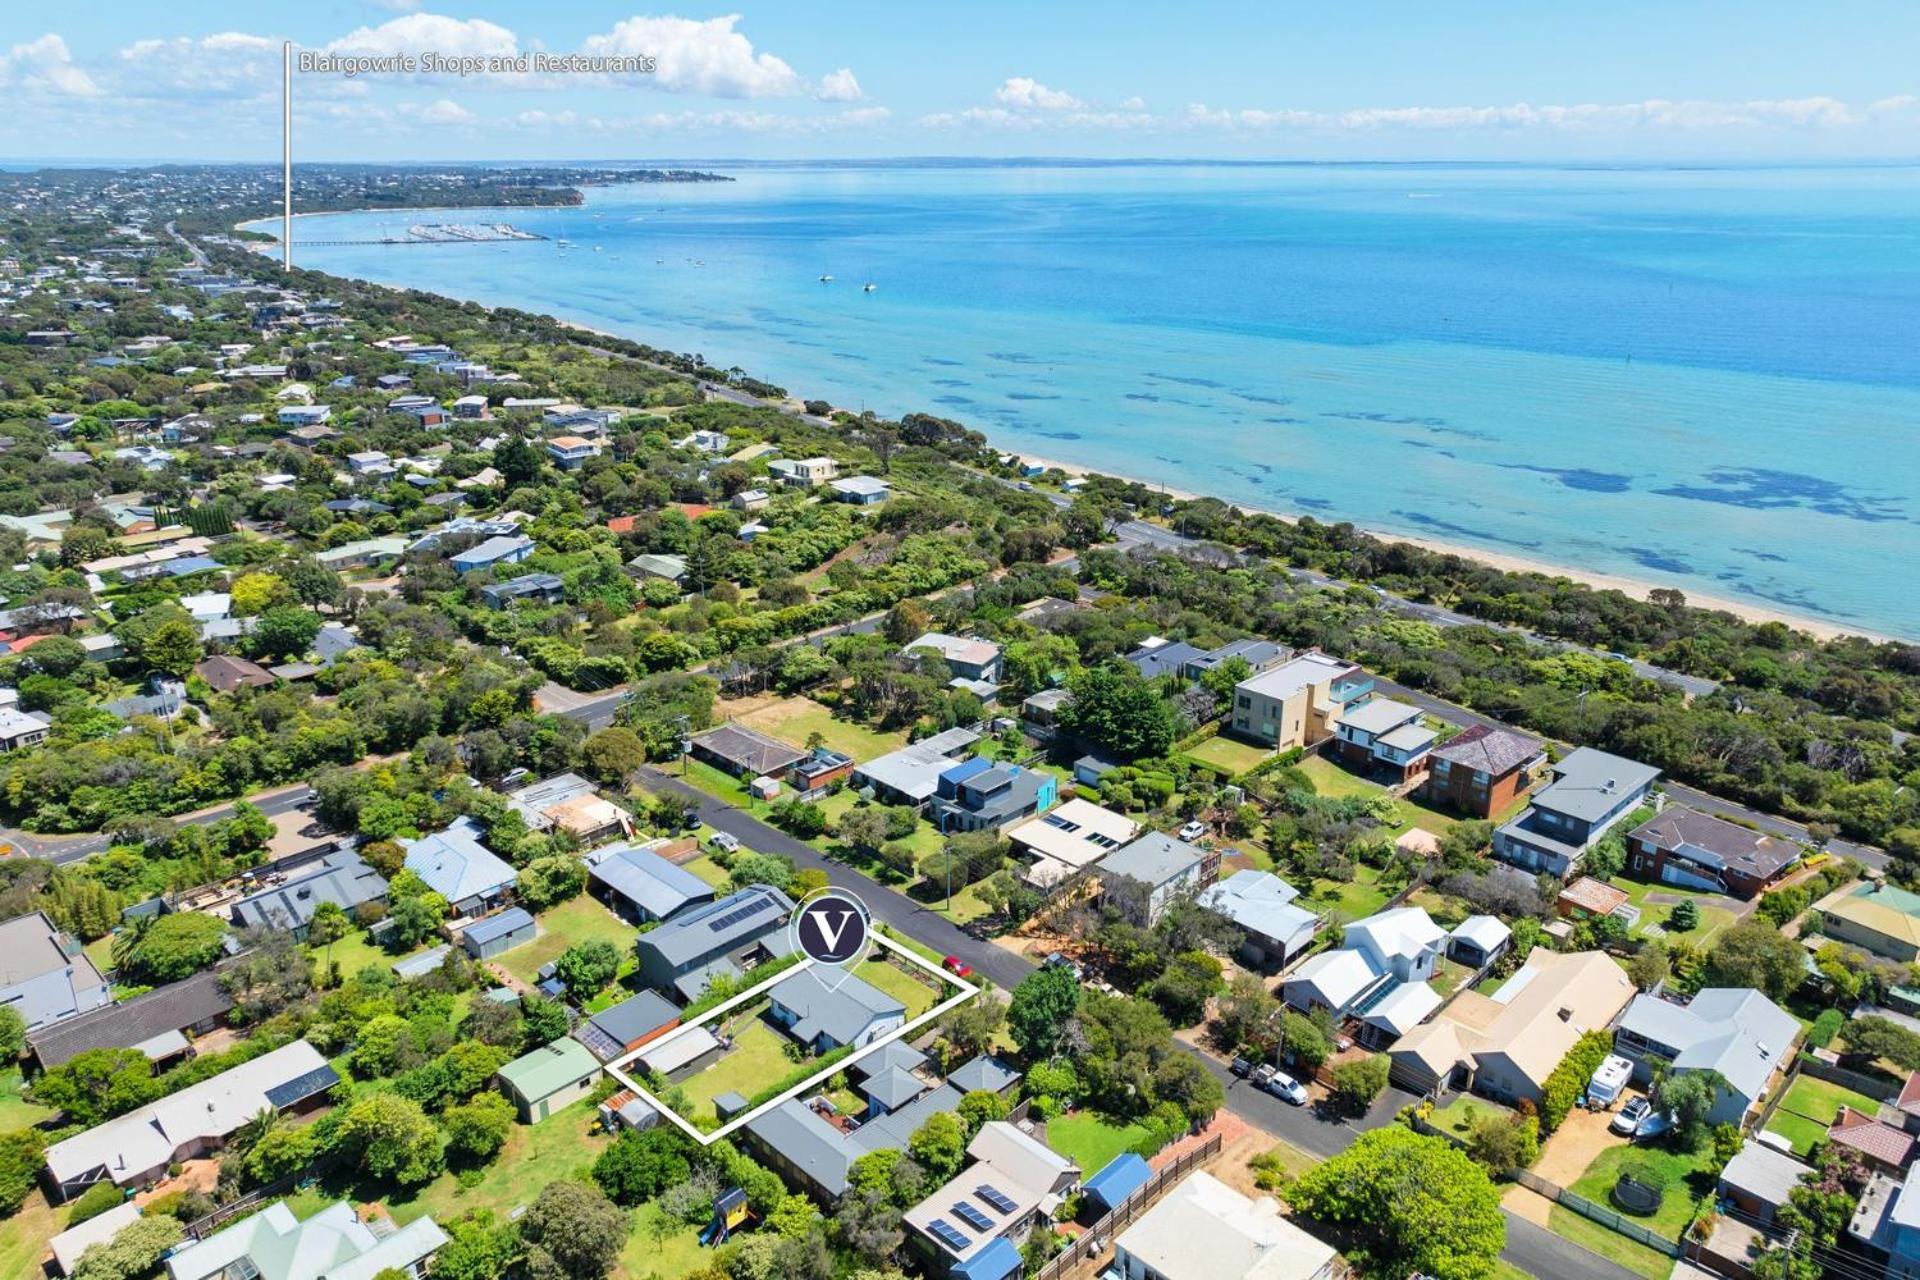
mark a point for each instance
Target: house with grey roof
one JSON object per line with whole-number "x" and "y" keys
{"x": 1161, "y": 866}
{"x": 485, "y": 939}
{"x": 458, "y": 867}
{"x": 984, "y": 1073}
{"x": 980, "y": 795}
{"x": 135, "y": 1149}
{"x": 891, "y": 1078}
{"x": 744, "y": 752}
{"x": 332, "y": 1244}
{"x": 1695, "y": 850}
{"x": 628, "y": 1025}
{"x": 1735, "y": 1031}
{"x": 44, "y": 975}
{"x": 157, "y": 1023}
{"x": 1385, "y": 736}
{"x": 341, "y": 877}
{"x": 1159, "y": 657}
{"x": 813, "y": 1155}
{"x": 1591, "y": 790}
{"x": 728, "y": 936}
{"x": 911, "y": 775}
{"x": 824, "y": 1016}
{"x": 1260, "y": 655}
{"x": 1273, "y": 928}
{"x": 1483, "y": 769}
{"x": 971, "y": 1227}
{"x": 498, "y": 550}
{"x": 640, "y": 886}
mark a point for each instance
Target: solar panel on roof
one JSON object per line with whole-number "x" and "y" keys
{"x": 738, "y": 914}
{"x": 972, "y": 1217}
{"x": 944, "y": 1232}
{"x": 995, "y": 1197}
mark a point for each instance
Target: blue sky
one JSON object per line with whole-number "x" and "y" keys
{"x": 1395, "y": 79}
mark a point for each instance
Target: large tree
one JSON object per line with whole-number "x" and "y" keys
{"x": 1042, "y": 1005}
{"x": 1407, "y": 1203}
{"x": 1754, "y": 953}
{"x": 572, "y": 1232}
{"x": 1117, "y": 710}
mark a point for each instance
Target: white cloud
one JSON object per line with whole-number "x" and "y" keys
{"x": 445, "y": 111}
{"x": 1135, "y": 103}
{"x": 430, "y": 33}
{"x": 399, "y": 6}
{"x": 1027, "y": 94}
{"x": 228, "y": 64}
{"x": 1654, "y": 113}
{"x": 46, "y": 65}
{"x": 707, "y": 57}
{"x": 839, "y": 86}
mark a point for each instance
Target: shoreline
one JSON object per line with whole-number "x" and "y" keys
{"x": 1598, "y": 580}
{"x": 1633, "y": 588}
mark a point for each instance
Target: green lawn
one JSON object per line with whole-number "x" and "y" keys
{"x": 660, "y": 1246}
{"x": 712, "y": 872}
{"x": 1810, "y": 1106}
{"x": 1330, "y": 779}
{"x": 354, "y": 953}
{"x": 1462, "y": 1111}
{"x": 576, "y": 920}
{"x": 1611, "y": 1245}
{"x": 1362, "y": 896}
{"x": 721, "y": 786}
{"x": 1712, "y": 919}
{"x": 24, "y": 1235}
{"x": 1229, "y": 753}
{"x": 15, "y": 1111}
{"x": 758, "y": 1059}
{"x": 1687, "y": 1182}
{"x": 1091, "y": 1140}
{"x": 918, "y": 995}
{"x": 1803, "y": 1133}
{"x": 794, "y": 720}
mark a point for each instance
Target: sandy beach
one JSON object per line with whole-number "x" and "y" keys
{"x": 1633, "y": 587}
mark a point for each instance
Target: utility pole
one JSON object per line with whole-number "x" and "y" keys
{"x": 286, "y": 155}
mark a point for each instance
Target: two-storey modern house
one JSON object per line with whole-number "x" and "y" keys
{"x": 727, "y": 937}
{"x": 1294, "y": 704}
{"x": 1384, "y": 736}
{"x": 1591, "y": 790}
{"x": 979, "y": 795}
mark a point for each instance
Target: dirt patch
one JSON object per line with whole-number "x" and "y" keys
{"x": 1231, "y": 1128}
{"x": 1581, "y": 1137}
{"x": 1234, "y": 1167}
{"x": 1531, "y": 1205}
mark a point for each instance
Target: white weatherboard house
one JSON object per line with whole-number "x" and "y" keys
{"x": 459, "y": 868}
{"x": 1205, "y": 1230}
{"x": 333, "y": 1244}
{"x": 1379, "y": 976}
{"x": 1736, "y": 1031}
{"x": 1273, "y": 930}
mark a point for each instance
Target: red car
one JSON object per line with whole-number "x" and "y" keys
{"x": 957, "y": 967}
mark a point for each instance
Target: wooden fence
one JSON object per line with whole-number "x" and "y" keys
{"x": 1099, "y": 1237}
{"x": 1599, "y": 1213}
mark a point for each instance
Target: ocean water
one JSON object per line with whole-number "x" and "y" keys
{"x": 1704, "y": 378}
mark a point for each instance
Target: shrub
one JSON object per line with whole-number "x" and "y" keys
{"x": 1569, "y": 1079}
{"x": 1825, "y": 1028}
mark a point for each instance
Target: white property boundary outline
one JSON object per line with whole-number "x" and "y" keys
{"x": 967, "y": 991}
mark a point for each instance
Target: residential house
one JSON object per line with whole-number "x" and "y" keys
{"x": 1736, "y": 1031}
{"x": 664, "y": 567}
{"x": 1067, "y": 840}
{"x": 891, "y": 1078}
{"x": 1875, "y": 915}
{"x": 456, "y": 865}
{"x": 630, "y": 1025}
{"x": 1482, "y": 770}
{"x": 744, "y": 753}
{"x": 972, "y": 661}
{"x": 1591, "y": 790}
{"x": 1294, "y": 704}
{"x": 369, "y": 461}
{"x": 494, "y": 551}
{"x": 1505, "y": 1045}
{"x": 366, "y": 553}
{"x": 570, "y": 453}
{"x": 340, "y": 877}
{"x": 1694, "y": 850}
{"x": 1379, "y": 976}
{"x": 554, "y": 1076}
{"x": 710, "y": 442}
{"x": 22, "y": 728}
{"x": 862, "y": 491}
{"x": 496, "y": 934}
{"x": 472, "y": 408}
{"x": 71, "y": 1245}
{"x": 1386, "y": 736}
{"x": 1158, "y": 869}
{"x": 1885, "y": 1228}
{"x": 1259, "y": 655}
{"x": 1040, "y": 712}
{"x": 135, "y": 1149}
{"x": 303, "y": 415}
{"x": 911, "y": 775}
{"x": 45, "y": 977}
{"x": 158, "y": 1023}
{"x": 1157, "y": 657}
{"x": 823, "y": 1016}
{"x": 536, "y": 588}
{"x": 570, "y": 803}
{"x": 1204, "y": 1230}
{"x": 813, "y": 1154}
{"x": 640, "y": 886}
{"x": 728, "y": 936}
{"x": 803, "y": 473}
{"x": 813, "y": 776}
{"x": 1884, "y": 1147}
{"x": 1273, "y": 929}
{"x": 973, "y": 1226}
{"x": 979, "y": 795}
{"x": 332, "y": 1244}
{"x": 751, "y": 500}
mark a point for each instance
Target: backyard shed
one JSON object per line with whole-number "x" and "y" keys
{"x": 551, "y": 1077}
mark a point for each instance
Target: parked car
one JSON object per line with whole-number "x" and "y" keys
{"x": 1242, "y": 1067}
{"x": 1059, "y": 960}
{"x": 1262, "y": 1075}
{"x": 1628, "y": 1120}
{"x": 721, "y": 840}
{"x": 1287, "y": 1089}
{"x": 1193, "y": 831}
{"x": 957, "y": 967}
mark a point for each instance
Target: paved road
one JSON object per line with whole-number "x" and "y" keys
{"x": 68, "y": 849}
{"x": 1540, "y": 1253}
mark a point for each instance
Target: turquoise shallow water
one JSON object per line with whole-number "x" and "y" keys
{"x": 1704, "y": 378}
